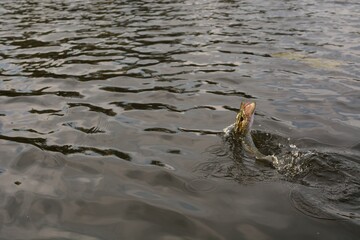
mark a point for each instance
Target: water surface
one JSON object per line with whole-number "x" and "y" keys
{"x": 111, "y": 118}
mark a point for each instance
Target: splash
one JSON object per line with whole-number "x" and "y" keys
{"x": 291, "y": 163}
{"x": 228, "y": 130}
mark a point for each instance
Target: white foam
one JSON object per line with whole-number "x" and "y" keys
{"x": 228, "y": 130}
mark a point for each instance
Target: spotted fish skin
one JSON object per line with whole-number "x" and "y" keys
{"x": 242, "y": 130}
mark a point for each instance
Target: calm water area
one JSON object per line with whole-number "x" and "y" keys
{"x": 112, "y": 116}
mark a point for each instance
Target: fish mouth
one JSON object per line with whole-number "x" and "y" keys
{"x": 245, "y": 118}
{"x": 249, "y": 108}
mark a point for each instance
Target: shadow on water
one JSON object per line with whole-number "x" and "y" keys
{"x": 325, "y": 181}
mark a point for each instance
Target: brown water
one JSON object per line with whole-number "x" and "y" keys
{"x": 111, "y": 118}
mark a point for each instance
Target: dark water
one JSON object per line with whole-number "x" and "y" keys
{"x": 111, "y": 114}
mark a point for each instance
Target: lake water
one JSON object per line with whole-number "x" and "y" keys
{"x": 112, "y": 113}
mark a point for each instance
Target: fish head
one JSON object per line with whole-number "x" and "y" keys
{"x": 245, "y": 118}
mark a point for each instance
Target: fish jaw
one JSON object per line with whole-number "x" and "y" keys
{"x": 245, "y": 118}
{"x": 249, "y": 109}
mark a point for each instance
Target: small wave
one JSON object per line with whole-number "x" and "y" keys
{"x": 15, "y": 93}
{"x": 68, "y": 149}
{"x": 93, "y": 108}
{"x": 200, "y": 131}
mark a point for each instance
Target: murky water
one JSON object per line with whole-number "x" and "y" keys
{"x": 111, "y": 115}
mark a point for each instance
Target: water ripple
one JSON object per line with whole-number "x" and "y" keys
{"x": 67, "y": 149}
{"x": 107, "y": 106}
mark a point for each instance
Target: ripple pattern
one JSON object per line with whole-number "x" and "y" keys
{"x": 107, "y": 107}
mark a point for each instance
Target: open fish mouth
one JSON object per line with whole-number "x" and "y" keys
{"x": 249, "y": 108}
{"x": 244, "y": 118}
